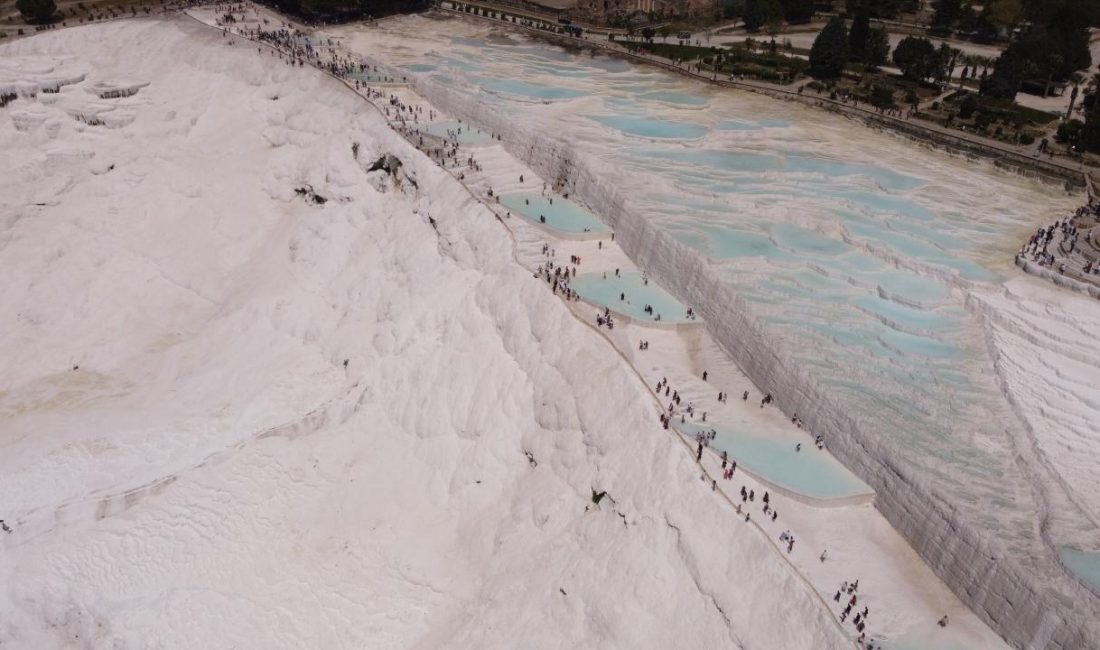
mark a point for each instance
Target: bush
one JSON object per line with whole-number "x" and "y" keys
{"x": 1069, "y": 131}
{"x": 967, "y": 106}
{"x": 37, "y": 11}
{"x": 1027, "y": 139}
{"x": 882, "y": 96}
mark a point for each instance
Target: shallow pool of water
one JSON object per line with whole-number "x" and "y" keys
{"x": 855, "y": 254}
{"x": 652, "y": 128}
{"x": 452, "y": 130}
{"x": 811, "y": 472}
{"x": 527, "y": 89}
{"x": 554, "y": 212}
{"x": 1084, "y": 565}
{"x": 629, "y": 294}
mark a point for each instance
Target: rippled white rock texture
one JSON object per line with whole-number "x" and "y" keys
{"x": 234, "y": 418}
{"x": 862, "y": 279}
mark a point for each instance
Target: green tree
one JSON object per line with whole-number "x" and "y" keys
{"x": 345, "y": 10}
{"x": 37, "y": 11}
{"x": 882, "y": 8}
{"x": 948, "y": 59}
{"x": 829, "y": 54}
{"x": 916, "y": 58}
{"x": 1009, "y": 71}
{"x": 1070, "y": 131}
{"x": 857, "y": 38}
{"x": 761, "y": 12}
{"x": 882, "y": 96}
{"x": 1041, "y": 11}
{"x": 1090, "y": 134}
{"x": 1006, "y": 13}
{"x": 1067, "y": 33}
{"x": 947, "y": 14}
{"x": 798, "y": 11}
{"x": 877, "y": 51}
{"x": 1045, "y": 53}
{"x": 1076, "y": 78}
{"x": 967, "y": 106}
{"x": 773, "y": 28}
{"x": 731, "y": 9}
{"x": 648, "y": 33}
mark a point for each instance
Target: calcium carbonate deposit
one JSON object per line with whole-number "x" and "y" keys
{"x": 864, "y": 281}
{"x": 232, "y": 416}
{"x": 273, "y": 378}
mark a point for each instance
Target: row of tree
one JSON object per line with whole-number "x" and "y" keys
{"x": 1051, "y": 49}
{"x": 344, "y": 10}
{"x": 37, "y": 12}
{"x": 835, "y": 46}
{"x": 45, "y": 11}
{"x": 759, "y": 14}
{"x": 1048, "y": 51}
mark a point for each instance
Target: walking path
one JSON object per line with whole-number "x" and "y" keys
{"x": 904, "y": 597}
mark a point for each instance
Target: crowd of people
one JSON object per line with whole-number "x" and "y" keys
{"x": 1067, "y": 243}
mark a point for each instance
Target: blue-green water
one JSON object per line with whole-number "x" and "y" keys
{"x": 1085, "y": 565}
{"x": 629, "y": 294}
{"x": 464, "y": 132}
{"x": 853, "y": 255}
{"x": 562, "y": 214}
{"x": 652, "y": 128}
{"x": 811, "y": 471}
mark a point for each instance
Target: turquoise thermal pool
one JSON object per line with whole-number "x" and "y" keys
{"x": 629, "y": 294}
{"x": 554, "y": 212}
{"x": 810, "y": 472}
{"x": 454, "y": 130}
{"x": 847, "y": 268}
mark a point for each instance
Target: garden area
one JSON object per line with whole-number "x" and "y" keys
{"x": 768, "y": 65}
{"x": 673, "y": 51}
{"x": 756, "y": 60}
{"x": 991, "y": 117}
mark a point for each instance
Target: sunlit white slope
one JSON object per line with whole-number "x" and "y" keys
{"x": 212, "y": 476}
